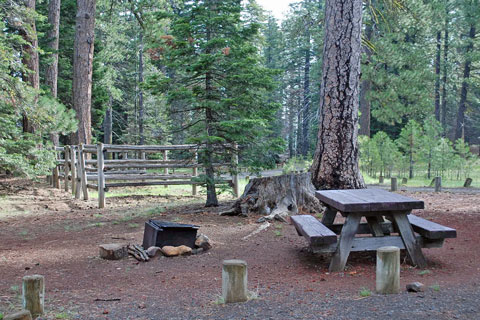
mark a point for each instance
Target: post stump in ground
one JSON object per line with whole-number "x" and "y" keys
{"x": 388, "y": 270}
{"x": 20, "y": 315}
{"x": 34, "y": 294}
{"x": 394, "y": 184}
{"x": 234, "y": 281}
{"x": 438, "y": 184}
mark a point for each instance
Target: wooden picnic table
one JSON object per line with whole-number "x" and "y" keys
{"x": 389, "y": 222}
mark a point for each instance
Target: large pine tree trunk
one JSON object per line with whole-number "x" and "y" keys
{"x": 277, "y": 197}
{"x": 365, "y": 87}
{"x": 306, "y": 96}
{"x": 444, "y": 77}
{"x": 335, "y": 165}
{"x": 51, "y": 72}
{"x": 140, "y": 92}
{"x": 83, "y": 69}
{"x": 459, "y": 129}
{"x": 30, "y": 58}
{"x": 437, "y": 76}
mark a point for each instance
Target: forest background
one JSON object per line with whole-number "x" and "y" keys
{"x": 221, "y": 72}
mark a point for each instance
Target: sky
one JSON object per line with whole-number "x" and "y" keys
{"x": 278, "y": 7}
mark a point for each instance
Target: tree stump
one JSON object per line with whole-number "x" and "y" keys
{"x": 277, "y": 197}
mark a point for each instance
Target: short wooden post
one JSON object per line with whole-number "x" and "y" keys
{"x": 195, "y": 173}
{"x": 73, "y": 167}
{"x": 235, "y": 180}
{"x": 468, "y": 183}
{"x": 381, "y": 179}
{"x": 78, "y": 185}
{"x": 234, "y": 281}
{"x": 34, "y": 294}
{"x": 165, "y": 158}
{"x": 393, "y": 184}
{"x": 101, "y": 176}
{"x": 65, "y": 167}
{"x": 56, "y": 175}
{"x": 83, "y": 171}
{"x": 388, "y": 270}
{"x": 438, "y": 184}
{"x": 20, "y": 315}
{"x": 404, "y": 180}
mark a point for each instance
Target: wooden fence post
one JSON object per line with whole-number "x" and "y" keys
{"x": 165, "y": 158}
{"x": 65, "y": 167}
{"x": 83, "y": 171}
{"x": 78, "y": 180}
{"x": 56, "y": 173}
{"x": 101, "y": 176}
{"x": 34, "y": 294}
{"x": 393, "y": 184}
{"x": 73, "y": 167}
{"x": 235, "y": 179}
{"x": 195, "y": 173}
{"x": 438, "y": 184}
{"x": 234, "y": 281}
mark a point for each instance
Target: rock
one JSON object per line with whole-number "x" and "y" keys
{"x": 197, "y": 250}
{"x": 170, "y": 251}
{"x": 415, "y": 287}
{"x": 20, "y": 315}
{"x": 203, "y": 242}
{"x": 153, "y": 251}
{"x": 113, "y": 251}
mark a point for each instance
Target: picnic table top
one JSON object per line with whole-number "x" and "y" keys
{"x": 367, "y": 200}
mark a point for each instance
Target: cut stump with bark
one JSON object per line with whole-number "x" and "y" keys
{"x": 277, "y": 197}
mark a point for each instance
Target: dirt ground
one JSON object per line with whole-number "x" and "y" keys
{"x": 45, "y": 231}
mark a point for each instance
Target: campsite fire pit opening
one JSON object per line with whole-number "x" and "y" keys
{"x": 163, "y": 233}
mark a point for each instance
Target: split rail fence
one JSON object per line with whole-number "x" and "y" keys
{"x": 104, "y": 166}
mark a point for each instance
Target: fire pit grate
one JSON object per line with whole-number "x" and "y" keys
{"x": 163, "y": 233}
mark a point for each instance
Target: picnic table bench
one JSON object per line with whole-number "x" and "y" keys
{"x": 389, "y": 222}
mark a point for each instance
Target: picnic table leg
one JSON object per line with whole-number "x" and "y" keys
{"x": 345, "y": 242}
{"x": 408, "y": 236}
{"x": 374, "y": 223}
{"x": 329, "y": 216}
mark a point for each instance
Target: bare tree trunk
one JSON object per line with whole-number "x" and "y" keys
{"x": 30, "y": 60}
{"x": 444, "y": 78}
{"x": 140, "y": 91}
{"x": 437, "y": 76}
{"x": 212, "y": 200}
{"x": 298, "y": 150}
{"x": 51, "y": 73}
{"x": 365, "y": 87}
{"x": 83, "y": 69}
{"x": 306, "y": 96}
{"x": 335, "y": 165}
{"x": 291, "y": 151}
{"x": 459, "y": 129}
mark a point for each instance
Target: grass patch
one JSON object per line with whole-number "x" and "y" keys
{"x": 424, "y": 272}
{"x": 435, "y": 287}
{"x": 133, "y": 225}
{"x": 364, "y": 292}
{"x": 14, "y": 289}
{"x": 279, "y": 226}
{"x": 278, "y": 233}
{"x": 1, "y": 316}
{"x": 219, "y": 300}
{"x": 62, "y": 315}
{"x": 23, "y": 233}
{"x": 319, "y": 216}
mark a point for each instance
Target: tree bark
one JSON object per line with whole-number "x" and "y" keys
{"x": 83, "y": 69}
{"x": 365, "y": 87}
{"x": 335, "y": 165}
{"x": 306, "y": 95}
{"x": 437, "y": 76}
{"x": 459, "y": 129}
{"x": 444, "y": 78}
{"x": 51, "y": 72}
{"x": 30, "y": 60}
{"x": 212, "y": 200}
{"x": 140, "y": 92}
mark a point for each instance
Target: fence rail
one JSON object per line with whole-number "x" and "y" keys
{"x": 128, "y": 165}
